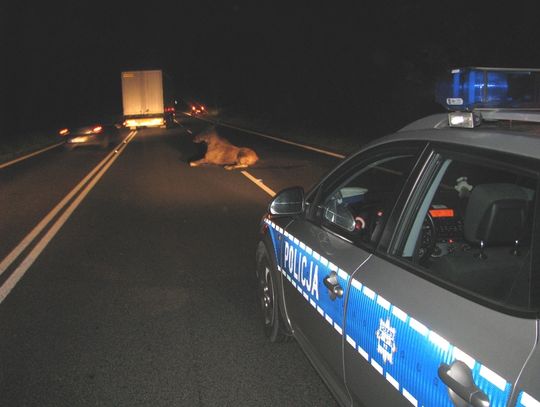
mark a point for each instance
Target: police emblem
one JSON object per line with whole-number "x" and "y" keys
{"x": 386, "y": 337}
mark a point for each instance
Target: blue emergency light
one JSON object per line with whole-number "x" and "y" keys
{"x": 474, "y": 88}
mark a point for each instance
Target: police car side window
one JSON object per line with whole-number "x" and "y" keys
{"x": 356, "y": 207}
{"x": 473, "y": 230}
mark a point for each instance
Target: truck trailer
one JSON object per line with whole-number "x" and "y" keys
{"x": 147, "y": 99}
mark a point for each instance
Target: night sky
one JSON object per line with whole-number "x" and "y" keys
{"x": 293, "y": 61}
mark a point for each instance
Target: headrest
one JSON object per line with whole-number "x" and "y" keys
{"x": 495, "y": 214}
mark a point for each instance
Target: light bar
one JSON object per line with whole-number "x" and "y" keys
{"x": 479, "y": 87}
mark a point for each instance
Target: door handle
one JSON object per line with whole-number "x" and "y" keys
{"x": 333, "y": 286}
{"x": 458, "y": 378}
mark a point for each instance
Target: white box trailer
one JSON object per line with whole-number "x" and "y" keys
{"x": 147, "y": 99}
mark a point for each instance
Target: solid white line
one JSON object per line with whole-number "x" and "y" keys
{"x": 304, "y": 146}
{"x": 7, "y": 164}
{"x": 19, "y": 272}
{"x": 259, "y": 183}
{"x": 10, "y": 258}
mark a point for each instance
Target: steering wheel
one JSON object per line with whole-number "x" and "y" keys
{"x": 427, "y": 240}
{"x": 367, "y": 216}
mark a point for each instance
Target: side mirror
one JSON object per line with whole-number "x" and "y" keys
{"x": 288, "y": 202}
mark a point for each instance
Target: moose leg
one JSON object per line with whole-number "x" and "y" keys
{"x": 198, "y": 162}
{"x": 235, "y": 166}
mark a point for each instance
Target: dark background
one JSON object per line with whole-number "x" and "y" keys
{"x": 342, "y": 68}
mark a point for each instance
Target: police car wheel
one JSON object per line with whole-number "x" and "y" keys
{"x": 267, "y": 293}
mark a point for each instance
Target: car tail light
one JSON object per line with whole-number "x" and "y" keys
{"x": 97, "y": 129}
{"x": 63, "y": 132}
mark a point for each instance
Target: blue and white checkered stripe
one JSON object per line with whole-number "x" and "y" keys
{"x": 525, "y": 400}
{"x": 305, "y": 271}
{"x": 417, "y": 355}
{"x": 418, "y": 351}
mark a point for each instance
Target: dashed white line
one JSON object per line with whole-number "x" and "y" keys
{"x": 259, "y": 183}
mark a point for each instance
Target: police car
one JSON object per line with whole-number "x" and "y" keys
{"x": 410, "y": 274}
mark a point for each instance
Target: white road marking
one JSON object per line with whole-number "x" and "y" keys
{"x": 304, "y": 146}
{"x": 19, "y": 272}
{"x": 10, "y": 258}
{"x": 7, "y": 164}
{"x": 259, "y": 183}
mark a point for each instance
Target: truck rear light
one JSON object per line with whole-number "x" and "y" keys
{"x": 63, "y": 132}
{"x": 97, "y": 129}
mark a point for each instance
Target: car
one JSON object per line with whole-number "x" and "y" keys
{"x": 410, "y": 274}
{"x": 198, "y": 109}
{"x": 101, "y": 135}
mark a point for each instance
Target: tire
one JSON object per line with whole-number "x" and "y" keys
{"x": 267, "y": 293}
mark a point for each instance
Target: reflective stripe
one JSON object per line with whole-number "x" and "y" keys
{"x": 383, "y": 303}
{"x": 388, "y": 325}
{"x": 399, "y": 314}
{"x": 363, "y": 353}
{"x": 392, "y": 381}
{"x": 377, "y": 367}
{"x": 526, "y": 400}
{"x": 356, "y": 284}
{"x": 439, "y": 341}
{"x": 409, "y": 397}
{"x": 343, "y": 274}
{"x": 418, "y": 327}
{"x": 369, "y": 293}
{"x": 460, "y": 355}
{"x": 351, "y": 341}
{"x": 493, "y": 377}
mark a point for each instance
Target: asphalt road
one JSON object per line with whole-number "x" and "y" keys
{"x": 146, "y": 295}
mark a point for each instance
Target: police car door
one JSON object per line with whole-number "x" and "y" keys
{"x": 337, "y": 236}
{"x": 443, "y": 317}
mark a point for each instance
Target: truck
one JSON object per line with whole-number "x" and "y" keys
{"x": 147, "y": 99}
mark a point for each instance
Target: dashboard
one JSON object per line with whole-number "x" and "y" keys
{"x": 442, "y": 232}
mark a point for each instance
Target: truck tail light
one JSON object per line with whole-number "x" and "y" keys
{"x": 97, "y": 129}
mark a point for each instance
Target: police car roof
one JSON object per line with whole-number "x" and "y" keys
{"x": 520, "y": 138}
